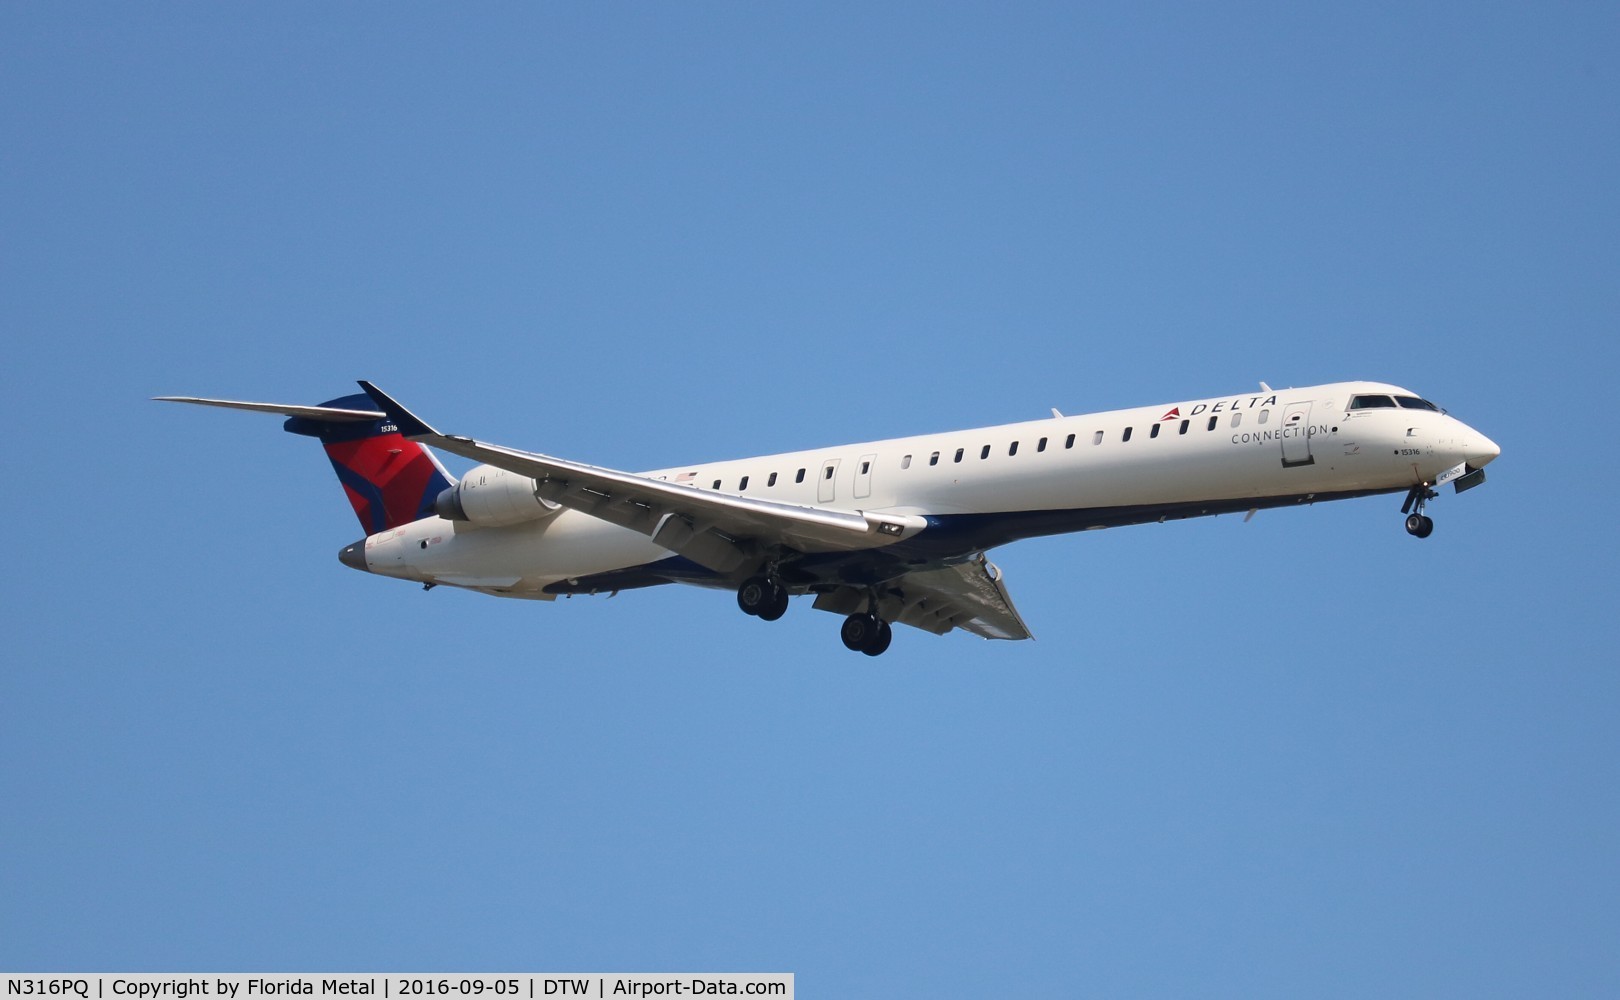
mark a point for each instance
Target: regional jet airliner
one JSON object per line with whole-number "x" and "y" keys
{"x": 883, "y": 532}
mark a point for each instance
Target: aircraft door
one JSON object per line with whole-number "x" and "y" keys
{"x": 1296, "y": 435}
{"x": 863, "y": 477}
{"x": 826, "y": 486}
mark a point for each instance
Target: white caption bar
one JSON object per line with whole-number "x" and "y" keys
{"x": 393, "y": 986}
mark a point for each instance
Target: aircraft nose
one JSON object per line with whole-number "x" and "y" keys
{"x": 354, "y": 556}
{"x": 1481, "y": 450}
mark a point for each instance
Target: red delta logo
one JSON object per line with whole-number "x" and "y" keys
{"x": 1174, "y": 414}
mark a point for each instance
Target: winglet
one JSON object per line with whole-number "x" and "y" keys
{"x": 407, "y": 422}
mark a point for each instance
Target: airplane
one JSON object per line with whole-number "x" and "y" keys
{"x": 885, "y": 532}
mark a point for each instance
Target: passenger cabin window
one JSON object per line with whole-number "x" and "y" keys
{"x": 905, "y": 463}
{"x": 1414, "y": 403}
{"x": 717, "y": 484}
{"x": 800, "y": 477}
{"x": 1237, "y": 418}
{"x": 1096, "y": 438}
{"x": 1040, "y": 445}
{"x": 829, "y": 472}
{"x": 933, "y": 459}
{"x": 1184, "y": 425}
{"x": 959, "y": 453}
{"x": 771, "y": 481}
{"x": 1212, "y": 422}
{"x": 1265, "y": 415}
{"x": 1371, "y": 403}
{"x": 1070, "y": 442}
{"x": 1012, "y": 449}
{"x": 1154, "y": 432}
{"x": 1125, "y": 436}
{"x": 742, "y": 484}
{"x": 984, "y": 452}
{"x": 866, "y": 467}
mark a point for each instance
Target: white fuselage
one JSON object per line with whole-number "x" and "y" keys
{"x": 989, "y": 485}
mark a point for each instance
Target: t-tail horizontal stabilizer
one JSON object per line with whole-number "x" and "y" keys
{"x": 390, "y": 481}
{"x": 408, "y": 423}
{"x": 331, "y": 414}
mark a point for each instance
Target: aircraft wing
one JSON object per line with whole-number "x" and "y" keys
{"x": 716, "y": 530}
{"x": 971, "y": 596}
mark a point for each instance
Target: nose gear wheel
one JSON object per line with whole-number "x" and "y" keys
{"x": 1418, "y": 524}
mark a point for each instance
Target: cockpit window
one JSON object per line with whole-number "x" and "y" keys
{"x": 1371, "y": 403}
{"x": 1414, "y": 403}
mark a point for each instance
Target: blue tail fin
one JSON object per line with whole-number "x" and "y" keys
{"x": 389, "y": 481}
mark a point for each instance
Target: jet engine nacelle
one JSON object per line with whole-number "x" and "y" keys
{"x": 491, "y": 497}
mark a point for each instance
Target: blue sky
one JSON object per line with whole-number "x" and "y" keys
{"x": 1307, "y": 755}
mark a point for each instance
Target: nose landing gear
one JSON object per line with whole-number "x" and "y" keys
{"x": 1418, "y": 524}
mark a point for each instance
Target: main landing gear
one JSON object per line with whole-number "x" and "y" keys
{"x": 1418, "y": 524}
{"x": 762, "y": 597}
{"x": 866, "y": 633}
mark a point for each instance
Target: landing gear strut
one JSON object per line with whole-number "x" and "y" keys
{"x": 866, "y": 633}
{"x": 762, "y": 597}
{"x": 1418, "y": 524}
